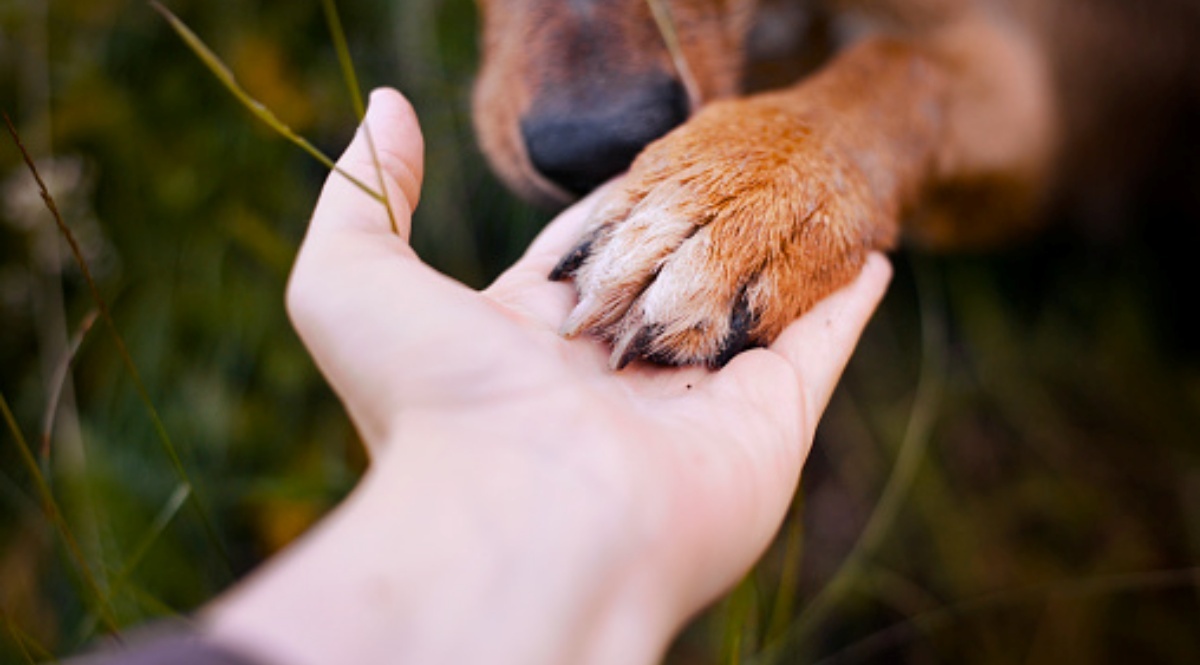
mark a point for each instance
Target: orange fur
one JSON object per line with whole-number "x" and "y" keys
{"x": 941, "y": 119}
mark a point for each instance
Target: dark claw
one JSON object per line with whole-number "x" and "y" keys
{"x": 740, "y": 324}
{"x": 661, "y": 357}
{"x": 571, "y": 262}
{"x": 634, "y": 348}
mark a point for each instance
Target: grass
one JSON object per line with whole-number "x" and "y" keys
{"x": 1009, "y": 472}
{"x": 123, "y": 351}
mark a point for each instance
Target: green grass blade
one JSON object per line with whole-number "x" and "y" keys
{"x": 912, "y": 450}
{"x": 31, "y": 650}
{"x": 119, "y": 342}
{"x": 226, "y": 77}
{"x": 740, "y": 626}
{"x": 54, "y": 513}
{"x": 356, "y": 98}
{"x": 869, "y": 648}
{"x": 165, "y": 516}
{"x": 152, "y": 604}
{"x": 342, "y": 48}
{"x": 666, "y": 27}
{"x": 59, "y": 380}
{"x": 785, "y": 594}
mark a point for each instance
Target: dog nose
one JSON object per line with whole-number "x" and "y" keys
{"x": 581, "y": 147}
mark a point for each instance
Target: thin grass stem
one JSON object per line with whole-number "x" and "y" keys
{"x": 161, "y": 521}
{"x": 666, "y": 26}
{"x": 342, "y": 48}
{"x": 257, "y": 108}
{"x": 26, "y": 642}
{"x": 740, "y": 621}
{"x": 54, "y": 513}
{"x": 154, "y": 605}
{"x": 908, "y": 461}
{"x": 164, "y": 518}
{"x": 932, "y": 620}
{"x": 59, "y": 379}
{"x": 785, "y": 596}
{"x": 119, "y": 342}
{"x": 356, "y": 98}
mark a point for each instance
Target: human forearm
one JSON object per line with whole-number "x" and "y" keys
{"x": 518, "y": 568}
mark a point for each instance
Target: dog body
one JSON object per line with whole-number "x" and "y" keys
{"x": 952, "y": 121}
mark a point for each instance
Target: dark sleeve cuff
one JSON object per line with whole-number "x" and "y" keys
{"x": 160, "y": 645}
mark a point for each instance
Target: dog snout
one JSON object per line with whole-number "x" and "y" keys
{"x": 579, "y": 146}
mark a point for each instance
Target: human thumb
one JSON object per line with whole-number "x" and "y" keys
{"x": 378, "y": 179}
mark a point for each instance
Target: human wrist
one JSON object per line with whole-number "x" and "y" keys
{"x": 453, "y": 553}
{"x": 565, "y": 572}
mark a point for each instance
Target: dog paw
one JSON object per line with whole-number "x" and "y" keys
{"x": 722, "y": 233}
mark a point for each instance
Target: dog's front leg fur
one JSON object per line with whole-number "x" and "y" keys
{"x": 739, "y": 221}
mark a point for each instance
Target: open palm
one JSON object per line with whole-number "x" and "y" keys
{"x": 694, "y": 468}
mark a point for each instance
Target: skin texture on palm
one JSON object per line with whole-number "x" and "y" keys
{"x": 520, "y": 491}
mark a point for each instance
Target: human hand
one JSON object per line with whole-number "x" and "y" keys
{"x": 621, "y": 501}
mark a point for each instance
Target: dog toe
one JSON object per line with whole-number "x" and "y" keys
{"x": 571, "y": 261}
{"x": 718, "y": 239}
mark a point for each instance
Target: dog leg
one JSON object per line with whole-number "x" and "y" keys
{"x": 739, "y": 221}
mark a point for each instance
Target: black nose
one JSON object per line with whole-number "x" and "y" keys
{"x": 585, "y": 144}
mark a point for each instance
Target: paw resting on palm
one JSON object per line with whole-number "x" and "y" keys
{"x": 722, "y": 233}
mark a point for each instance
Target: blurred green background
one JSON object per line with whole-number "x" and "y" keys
{"x": 1017, "y": 435}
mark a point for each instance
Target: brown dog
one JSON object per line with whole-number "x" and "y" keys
{"x": 950, "y": 120}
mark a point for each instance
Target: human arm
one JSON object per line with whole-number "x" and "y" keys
{"x": 524, "y": 503}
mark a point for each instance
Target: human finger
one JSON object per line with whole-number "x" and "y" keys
{"x": 357, "y": 296}
{"x": 770, "y": 399}
{"x": 819, "y": 344}
{"x": 386, "y": 156}
{"x": 784, "y": 388}
{"x": 350, "y": 251}
{"x": 808, "y": 357}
